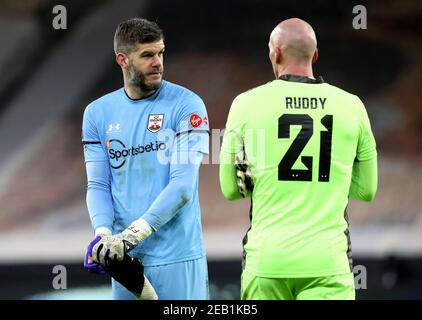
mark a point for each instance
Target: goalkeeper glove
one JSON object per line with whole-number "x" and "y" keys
{"x": 115, "y": 247}
{"x": 244, "y": 175}
{"x": 88, "y": 262}
{"x": 130, "y": 273}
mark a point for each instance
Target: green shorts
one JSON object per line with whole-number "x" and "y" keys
{"x": 338, "y": 287}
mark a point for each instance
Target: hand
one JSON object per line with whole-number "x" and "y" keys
{"x": 115, "y": 247}
{"x": 111, "y": 248}
{"x": 244, "y": 175}
{"x": 89, "y": 261}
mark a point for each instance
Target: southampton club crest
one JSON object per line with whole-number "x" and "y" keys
{"x": 155, "y": 122}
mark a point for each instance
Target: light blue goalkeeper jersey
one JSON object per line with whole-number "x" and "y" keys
{"x": 138, "y": 138}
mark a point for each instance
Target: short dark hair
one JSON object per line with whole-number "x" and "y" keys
{"x": 134, "y": 31}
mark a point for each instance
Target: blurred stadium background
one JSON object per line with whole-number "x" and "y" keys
{"x": 218, "y": 49}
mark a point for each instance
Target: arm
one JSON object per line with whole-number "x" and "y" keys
{"x": 235, "y": 175}
{"x": 364, "y": 180}
{"x": 172, "y": 198}
{"x": 177, "y": 193}
{"x": 228, "y": 176}
{"x": 98, "y": 197}
{"x": 190, "y": 143}
{"x": 364, "y": 173}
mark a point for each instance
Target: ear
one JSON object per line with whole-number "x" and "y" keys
{"x": 122, "y": 60}
{"x": 278, "y": 55}
{"x": 315, "y": 56}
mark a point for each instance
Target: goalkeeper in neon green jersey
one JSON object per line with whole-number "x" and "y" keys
{"x": 300, "y": 148}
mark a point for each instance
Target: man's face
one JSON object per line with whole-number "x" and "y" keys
{"x": 145, "y": 65}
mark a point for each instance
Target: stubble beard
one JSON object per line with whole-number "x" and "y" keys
{"x": 138, "y": 79}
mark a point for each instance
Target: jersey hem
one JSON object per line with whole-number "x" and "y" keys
{"x": 184, "y": 259}
{"x": 299, "y": 274}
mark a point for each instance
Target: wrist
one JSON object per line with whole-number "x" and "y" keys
{"x": 102, "y": 231}
{"x": 137, "y": 231}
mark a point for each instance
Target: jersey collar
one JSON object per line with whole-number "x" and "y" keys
{"x": 302, "y": 79}
{"x": 144, "y": 98}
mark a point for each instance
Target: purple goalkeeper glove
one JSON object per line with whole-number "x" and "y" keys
{"x": 93, "y": 267}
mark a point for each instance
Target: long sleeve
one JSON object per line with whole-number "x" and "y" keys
{"x": 232, "y": 144}
{"x": 365, "y": 170}
{"x": 98, "y": 196}
{"x": 364, "y": 180}
{"x": 228, "y": 178}
{"x": 190, "y": 144}
{"x": 178, "y": 192}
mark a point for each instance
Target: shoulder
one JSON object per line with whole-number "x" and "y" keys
{"x": 343, "y": 94}
{"x": 185, "y": 100}
{"x": 103, "y": 101}
{"x": 349, "y": 101}
{"x": 180, "y": 92}
{"x": 256, "y": 91}
{"x": 250, "y": 96}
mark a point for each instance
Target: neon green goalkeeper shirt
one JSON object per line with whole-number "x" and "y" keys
{"x": 301, "y": 137}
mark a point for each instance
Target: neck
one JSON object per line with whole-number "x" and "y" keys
{"x": 298, "y": 70}
{"x": 135, "y": 92}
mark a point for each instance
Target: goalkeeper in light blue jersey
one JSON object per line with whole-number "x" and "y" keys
{"x": 143, "y": 145}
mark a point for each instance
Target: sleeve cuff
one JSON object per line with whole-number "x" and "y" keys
{"x": 102, "y": 231}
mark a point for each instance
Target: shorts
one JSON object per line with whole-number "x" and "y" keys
{"x": 337, "y": 287}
